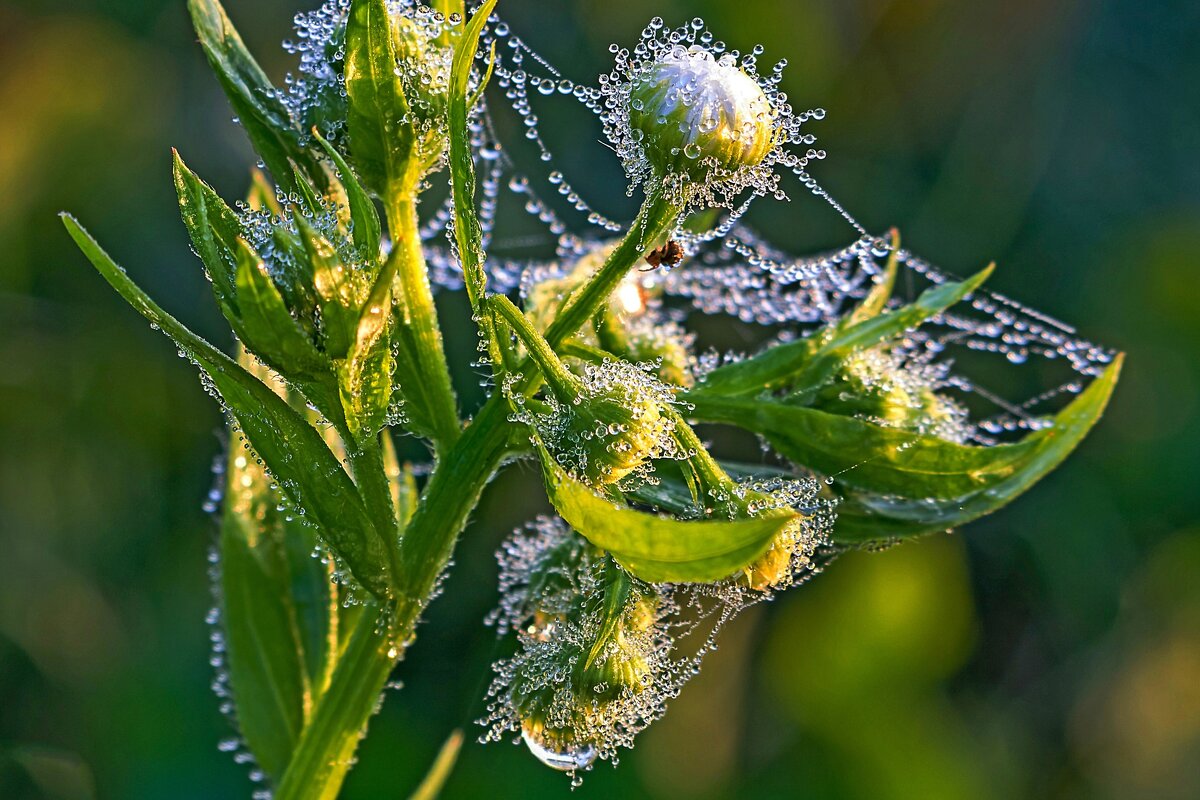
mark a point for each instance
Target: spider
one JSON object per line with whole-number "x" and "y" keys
{"x": 669, "y": 254}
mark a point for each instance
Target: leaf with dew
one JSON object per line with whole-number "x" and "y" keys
{"x": 865, "y": 516}
{"x": 266, "y": 327}
{"x": 365, "y": 376}
{"x": 309, "y": 474}
{"x": 214, "y": 230}
{"x": 660, "y": 549}
{"x": 806, "y": 364}
{"x": 280, "y": 609}
{"x": 381, "y": 139}
{"x": 255, "y": 100}
{"x": 365, "y": 227}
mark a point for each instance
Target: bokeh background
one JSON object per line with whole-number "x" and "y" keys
{"x": 1052, "y": 650}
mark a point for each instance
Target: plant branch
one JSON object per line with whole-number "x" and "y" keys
{"x": 431, "y": 391}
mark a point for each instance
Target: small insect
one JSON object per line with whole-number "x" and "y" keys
{"x": 670, "y": 254}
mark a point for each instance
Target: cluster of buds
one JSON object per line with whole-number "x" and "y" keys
{"x": 594, "y": 664}
{"x": 339, "y": 91}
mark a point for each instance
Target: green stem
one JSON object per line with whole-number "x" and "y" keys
{"x": 655, "y": 219}
{"x": 327, "y": 744}
{"x": 464, "y": 469}
{"x": 709, "y": 475}
{"x": 431, "y": 390}
{"x": 366, "y": 460}
{"x": 326, "y": 747}
{"x": 448, "y": 499}
{"x": 564, "y": 385}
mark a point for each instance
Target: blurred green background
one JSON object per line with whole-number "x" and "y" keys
{"x": 1052, "y": 650}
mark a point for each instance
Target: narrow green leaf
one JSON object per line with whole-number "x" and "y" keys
{"x": 340, "y": 288}
{"x": 254, "y": 99}
{"x": 381, "y": 140}
{"x": 864, "y": 516}
{"x": 659, "y": 548}
{"x": 872, "y": 458}
{"x": 440, "y": 771}
{"x": 293, "y": 450}
{"x": 279, "y": 605}
{"x": 214, "y": 230}
{"x": 869, "y": 456}
{"x": 366, "y": 374}
{"x": 365, "y": 228}
{"x": 308, "y": 197}
{"x": 267, "y": 328}
{"x": 806, "y": 363}
{"x": 467, "y": 229}
{"x": 875, "y": 303}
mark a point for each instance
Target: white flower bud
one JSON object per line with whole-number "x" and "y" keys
{"x": 700, "y": 116}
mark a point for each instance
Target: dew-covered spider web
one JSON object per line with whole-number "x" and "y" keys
{"x": 1007, "y": 367}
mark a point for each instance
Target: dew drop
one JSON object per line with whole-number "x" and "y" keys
{"x": 567, "y": 760}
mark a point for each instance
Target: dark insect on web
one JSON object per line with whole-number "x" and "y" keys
{"x": 669, "y": 255}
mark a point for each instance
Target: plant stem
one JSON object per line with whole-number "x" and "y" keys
{"x": 564, "y": 384}
{"x": 326, "y": 748}
{"x": 656, "y": 218}
{"x": 448, "y": 500}
{"x": 431, "y": 392}
{"x": 463, "y": 470}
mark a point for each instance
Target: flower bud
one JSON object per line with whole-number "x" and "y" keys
{"x": 700, "y": 117}
{"x": 608, "y": 424}
{"x": 612, "y": 433}
{"x": 666, "y": 346}
{"x": 575, "y": 680}
{"x": 882, "y": 386}
{"x": 423, "y": 66}
{"x": 597, "y": 659}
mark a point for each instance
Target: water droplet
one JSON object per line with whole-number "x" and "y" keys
{"x": 567, "y": 760}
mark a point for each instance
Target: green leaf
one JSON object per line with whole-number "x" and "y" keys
{"x": 440, "y": 771}
{"x": 310, "y": 475}
{"x": 274, "y": 135}
{"x": 658, "y": 548}
{"x": 806, "y": 364}
{"x": 381, "y": 142}
{"x": 280, "y": 608}
{"x": 869, "y": 456}
{"x": 365, "y": 376}
{"x": 864, "y": 516}
{"x": 467, "y": 229}
{"x": 214, "y": 230}
{"x": 875, "y": 303}
{"x": 365, "y": 228}
{"x": 267, "y": 328}
{"x": 340, "y": 289}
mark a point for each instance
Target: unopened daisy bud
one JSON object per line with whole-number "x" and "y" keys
{"x": 699, "y": 116}
{"x": 880, "y": 386}
{"x": 610, "y": 431}
{"x": 580, "y": 688}
{"x": 601, "y": 425}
